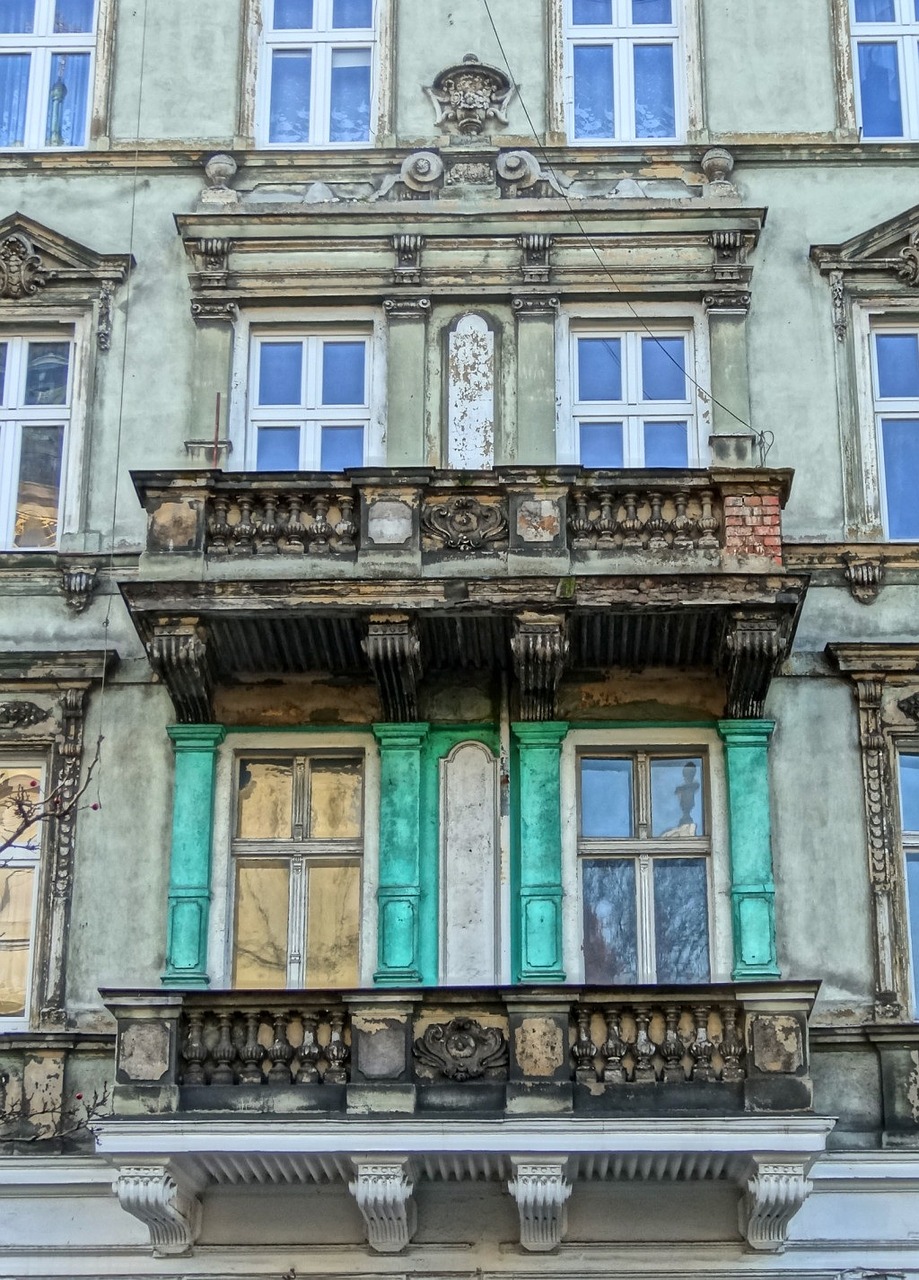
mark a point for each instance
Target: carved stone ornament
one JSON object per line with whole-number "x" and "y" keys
{"x": 21, "y": 273}
{"x": 536, "y": 249}
{"x": 464, "y": 524}
{"x": 209, "y": 309}
{"x": 908, "y": 270}
{"x": 726, "y": 301}
{"x": 539, "y": 648}
{"x": 420, "y": 173}
{"x": 519, "y": 169}
{"x": 213, "y": 255}
{"x": 394, "y": 653}
{"x": 864, "y": 579}
{"x": 718, "y": 165}
{"x": 910, "y": 706}
{"x": 407, "y": 308}
{"x": 773, "y": 1195}
{"x": 106, "y": 315}
{"x": 21, "y": 715}
{"x": 840, "y": 316}
{"x": 462, "y": 1049}
{"x": 752, "y": 649}
{"x": 180, "y": 655}
{"x": 534, "y": 304}
{"x": 383, "y": 1191}
{"x": 77, "y": 584}
{"x": 542, "y": 1191}
{"x": 218, "y": 170}
{"x": 171, "y": 1213}
{"x": 408, "y": 258}
{"x": 470, "y": 96}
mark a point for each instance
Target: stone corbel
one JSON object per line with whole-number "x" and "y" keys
{"x": 408, "y": 258}
{"x": 78, "y": 583}
{"x": 539, "y": 648}
{"x": 864, "y": 579}
{"x": 534, "y": 304}
{"x": 537, "y": 249}
{"x": 383, "y": 1191}
{"x": 204, "y": 309}
{"x": 407, "y": 308}
{"x": 752, "y": 649}
{"x": 180, "y": 655}
{"x": 727, "y": 300}
{"x": 169, "y": 1209}
{"x": 394, "y": 653}
{"x": 772, "y": 1196}
{"x": 212, "y": 259}
{"x": 542, "y": 1191}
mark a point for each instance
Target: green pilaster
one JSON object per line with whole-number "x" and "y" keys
{"x": 399, "y": 895}
{"x": 195, "y": 747}
{"x": 538, "y": 879}
{"x": 746, "y": 754}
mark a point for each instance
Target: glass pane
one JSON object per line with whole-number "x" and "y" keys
{"x": 67, "y": 100}
{"x": 898, "y": 365}
{"x": 39, "y": 486}
{"x": 909, "y": 793}
{"x": 265, "y": 799}
{"x": 593, "y": 91}
{"x": 343, "y": 372}
{"x": 879, "y": 78}
{"x": 16, "y": 894}
{"x": 610, "y": 921}
{"x": 47, "y": 366}
{"x": 666, "y": 444}
{"x": 352, "y": 13}
{"x": 681, "y": 920}
{"x": 3, "y": 351}
{"x": 336, "y": 798}
{"x": 655, "y": 108}
{"x": 260, "y": 941}
{"x": 340, "y": 448}
{"x": 333, "y": 914}
{"x": 587, "y": 13}
{"x": 278, "y": 449}
{"x": 676, "y": 798}
{"x": 72, "y": 16}
{"x": 293, "y": 15}
{"x": 16, "y": 16}
{"x": 912, "y": 898}
{"x": 645, "y": 11}
{"x": 349, "y": 107}
{"x": 663, "y": 365}
{"x": 901, "y": 476}
{"x": 14, "y": 90}
{"x": 606, "y": 799}
{"x": 601, "y": 444}
{"x": 289, "y": 108}
{"x": 875, "y": 10}
{"x": 20, "y": 778}
{"x": 599, "y": 369}
{"x": 280, "y": 373}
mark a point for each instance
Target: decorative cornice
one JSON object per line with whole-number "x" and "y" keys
{"x": 383, "y": 1191}
{"x": 542, "y": 1191}
{"x": 171, "y": 1213}
{"x": 773, "y": 1195}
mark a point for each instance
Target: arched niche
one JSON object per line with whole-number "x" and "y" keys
{"x": 468, "y": 865}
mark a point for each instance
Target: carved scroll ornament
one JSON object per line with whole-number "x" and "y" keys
{"x": 21, "y": 715}
{"x": 462, "y": 1049}
{"x": 908, "y": 270}
{"x": 471, "y": 95}
{"x": 464, "y": 524}
{"x": 21, "y": 273}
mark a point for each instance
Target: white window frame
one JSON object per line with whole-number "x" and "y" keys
{"x": 40, "y": 44}
{"x": 646, "y": 320}
{"x": 900, "y": 33}
{"x": 908, "y": 408}
{"x": 27, "y": 858}
{"x": 321, "y": 40}
{"x": 700, "y": 741}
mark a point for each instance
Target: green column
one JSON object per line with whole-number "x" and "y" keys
{"x": 746, "y": 754}
{"x": 195, "y": 747}
{"x": 399, "y": 895}
{"x": 538, "y": 927}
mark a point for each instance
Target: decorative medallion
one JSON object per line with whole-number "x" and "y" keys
{"x": 908, "y": 271}
{"x": 21, "y": 272}
{"x": 21, "y": 715}
{"x": 462, "y": 1049}
{"x": 464, "y": 524}
{"x": 470, "y": 96}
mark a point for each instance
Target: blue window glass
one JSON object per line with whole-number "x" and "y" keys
{"x": 68, "y": 98}
{"x": 14, "y": 90}
{"x": 349, "y": 106}
{"x": 47, "y": 367}
{"x": 340, "y": 448}
{"x": 601, "y": 445}
{"x": 610, "y": 921}
{"x": 594, "y": 116}
{"x": 278, "y": 449}
{"x": 343, "y": 372}
{"x": 606, "y": 799}
{"x": 875, "y": 10}
{"x": 655, "y": 106}
{"x": 917, "y": 10}
{"x": 280, "y": 375}
{"x": 681, "y": 920}
{"x": 912, "y": 898}
{"x": 909, "y": 793}
{"x": 591, "y": 13}
{"x": 879, "y": 80}
{"x": 676, "y": 798}
{"x": 3, "y": 350}
{"x": 289, "y": 108}
{"x": 898, "y": 365}
{"x": 293, "y": 15}
{"x": 649, "y": 11}
{"x": 17, "y": 16}
{"x": 663, "y": 365}
{"x": 599, "y": 369}
{"x": 666, "y": 444}
{"x": 73, "y": 15}
{"x": 901, "y": 476}
{"x": 352, "y": 13}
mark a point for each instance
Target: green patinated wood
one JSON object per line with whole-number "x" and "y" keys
{"x": 538, "y": 852}
{"x": 746, "y": 754}
{"x": 399, "y": 896}
{"x": 195, "y": 747}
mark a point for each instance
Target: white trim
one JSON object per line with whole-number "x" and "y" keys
{"x": 40, "y": 44}
{"x": 902, "y": 33}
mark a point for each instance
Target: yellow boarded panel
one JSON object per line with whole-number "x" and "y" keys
{"x": 260, "y": 950}
{"x": 333, "y": 925}
{"x": 15, "y": 934}
{"x": 265, "y": 799}
{"x": 336, "y": 794}
{"x": 24, "y": 781}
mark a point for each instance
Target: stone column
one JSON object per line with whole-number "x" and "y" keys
{"x": 535, "y": 380}
{"x": 195, "y": 747}
{"x": 732, "y": 442}
{"x": 399, "y": 923}
{"x": 746, "y": 756}
{"x": 406, "y": 341}
{"x": 538, "y": 927}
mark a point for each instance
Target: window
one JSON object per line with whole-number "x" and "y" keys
{"x": 632, "y": 402}
{"x": 46, "y": 69}
{"x": 317, "y": 73}
{"x": 895, "y": 376}
{"x": 886, "y": 59}
{"x": 35, "y": 397}
{"x": 909, "y": 806}
{"x": 624, "y": 70}
{"x": 297, "y": 854}
{"x": 309, "y": 401}
{"x": 18, "y": 889}
{"x": 643, "y": 850}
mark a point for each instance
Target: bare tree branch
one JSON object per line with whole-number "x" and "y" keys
{"x": 27, "y": 807}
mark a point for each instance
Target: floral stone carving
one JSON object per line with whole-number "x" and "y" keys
{"x": 462, "y": 1049}
{"x": 908, "y": 270}
{"x": 470, "y": 96}
{"x": 464, "y": 524}
{"x": 21, "y": 272}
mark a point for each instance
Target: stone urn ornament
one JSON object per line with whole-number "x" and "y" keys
{"x": 469, "y": 96}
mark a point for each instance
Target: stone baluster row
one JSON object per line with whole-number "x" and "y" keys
{"x": 675, "y": 1056}
{"x": 656, "y": 520}
{"x": 286, "y": 523}
{"x": 228, "y": 1048}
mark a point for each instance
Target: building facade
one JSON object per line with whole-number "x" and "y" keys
{"x": 459, "y": 672}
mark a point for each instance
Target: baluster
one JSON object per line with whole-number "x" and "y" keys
{"x": 673, "y": 1048}
{"x": 631, "y": 525}
{"x": 606, "y": 523}
{"x": 219, "y": 531}
{"x": 321, "y": 531}
{"x": 251, "y": 1053}
{"x": 657, "y": 525}
{"x": 224, "y": 1050}
{"x": 645, "y": 1047}
{"x": 346, "y": 529}
{"x": 268, "y": 527}
{"x": 194, "y": 1051}
{"x": 584, "y": 1050}
{"x": 337, "y": 1053}
{"x": 280, "y": 1052}
{"x": 309, "y": 1052}
{"x": 580, "y": 524}
{"x": 682, "y": 524}
{"x": 294, "y": 532}
{"x": 613, "y": 1048}
{"x": 708, "y": 522}
{"x": 731, "y": 1046}
{"x": 244, "y": 530}
{"x": 702, "y": 1048}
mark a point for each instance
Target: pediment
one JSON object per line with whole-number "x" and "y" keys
{"x": 38, "y": 261}
{"x": 890, "y": 248}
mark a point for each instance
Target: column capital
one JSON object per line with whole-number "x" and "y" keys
{"x": 539, "y": 733}
{"x": 746, "y": 733}
{"x": 196, "y": 737}
{"x": 400, "y": 737}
